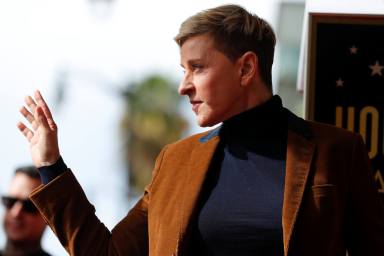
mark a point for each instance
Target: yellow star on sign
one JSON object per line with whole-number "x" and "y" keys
{"x": 339, "y": 83}
{"x": 376, "y": 69}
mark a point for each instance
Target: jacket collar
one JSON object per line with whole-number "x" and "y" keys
{"x": 298, "y": 125}
{"x": 211, "y": 134}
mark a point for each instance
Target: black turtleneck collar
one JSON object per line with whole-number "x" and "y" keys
{"x": 262, "y": 129}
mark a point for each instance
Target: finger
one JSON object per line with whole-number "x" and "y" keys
{"x": 41, "y": 102}
{"x": 28, "y": 115}
{"x": 30, "y": 103}
{"x": 25, "y": 131}
{"x": 41, "y": 118}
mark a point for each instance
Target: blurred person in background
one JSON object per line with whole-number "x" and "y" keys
{"x": 23, "y": 224}
{"x": 264, "y": 182}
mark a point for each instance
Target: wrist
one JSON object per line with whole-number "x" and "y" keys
{"x": 49, "y": 159}
{"x": 50, "y": 172}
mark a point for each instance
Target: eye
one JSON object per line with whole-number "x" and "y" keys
{"x": 196, "y": 67}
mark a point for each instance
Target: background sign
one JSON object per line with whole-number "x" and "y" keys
{"x": 346, "y": 78}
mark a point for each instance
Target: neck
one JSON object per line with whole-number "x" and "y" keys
{"x": 262, "y": 130}
{"x": 21, "y": 248}
{"x": 256, "y": 95}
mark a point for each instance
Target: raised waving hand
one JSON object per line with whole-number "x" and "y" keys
{"x": 42, "y": 134}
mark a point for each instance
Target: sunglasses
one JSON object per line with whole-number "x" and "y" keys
{"x": 28, "y": 206}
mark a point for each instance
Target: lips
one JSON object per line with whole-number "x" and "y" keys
{"x": 195, "y": 106}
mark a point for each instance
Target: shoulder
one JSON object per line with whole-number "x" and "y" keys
{"x": 178, "y": 154}
{"x": 319, "y": 132}
{"x": 181, "y": 150}
{"x": 334, "y": 140}
{"x": 326, "y": 132}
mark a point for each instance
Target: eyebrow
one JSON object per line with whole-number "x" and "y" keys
{"x": 191, "y": 61}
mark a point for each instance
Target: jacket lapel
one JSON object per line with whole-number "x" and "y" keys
{"x": 199, "y": 163}
{"x": 300, "y": 152}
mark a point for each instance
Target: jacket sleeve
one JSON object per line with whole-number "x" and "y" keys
{"x": 65, "y": 208}
{"x": 365, "y": 213}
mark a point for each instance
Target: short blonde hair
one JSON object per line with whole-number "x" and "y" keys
{"x": 235, "y": 31}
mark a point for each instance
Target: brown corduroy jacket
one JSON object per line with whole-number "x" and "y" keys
{"x": 330, "y": 201}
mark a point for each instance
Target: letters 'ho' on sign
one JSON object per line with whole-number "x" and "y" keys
{"x": 345, "y": 85}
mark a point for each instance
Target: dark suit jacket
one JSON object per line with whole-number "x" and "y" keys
{"x": 330, "y": 201}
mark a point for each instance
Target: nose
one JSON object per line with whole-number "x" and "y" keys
{"x": 186, "y": 85}
{"x": 16, "y": 209}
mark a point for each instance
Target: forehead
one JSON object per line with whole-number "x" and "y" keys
{"x": 197, "y": 46}
{"x": 22, "y": 185}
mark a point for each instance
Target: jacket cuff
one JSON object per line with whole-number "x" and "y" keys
{"x": 48, "y": 173}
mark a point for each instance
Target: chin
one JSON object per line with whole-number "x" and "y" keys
{"x": 16, "y": 237}
{"x": 206, "y": 122}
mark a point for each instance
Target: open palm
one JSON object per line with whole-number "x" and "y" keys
{"x": 42, "y": 136}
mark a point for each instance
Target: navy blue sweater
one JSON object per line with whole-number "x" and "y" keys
{"x": 241, "y": 207}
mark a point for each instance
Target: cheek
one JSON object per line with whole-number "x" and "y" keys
{"x": 209, "y": 88}
{"x": 7, "y": 217}
{"x": 216, "y": 88}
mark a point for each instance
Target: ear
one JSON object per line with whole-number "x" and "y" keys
{"x": 248, "y": 67}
